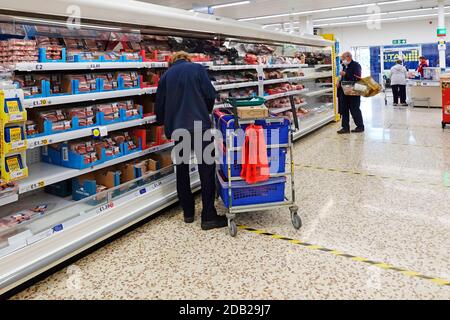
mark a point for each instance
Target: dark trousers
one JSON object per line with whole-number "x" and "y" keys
{"x": 351, "y": 105}
{"x": 207, "y": 179}
{"x": 399, "y": 92}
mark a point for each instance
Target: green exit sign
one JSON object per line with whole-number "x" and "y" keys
{"x": 399, "y": 41}
{"x": 442, "y": 32}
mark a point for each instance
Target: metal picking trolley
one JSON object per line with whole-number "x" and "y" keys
{"x": 240, "y": 197}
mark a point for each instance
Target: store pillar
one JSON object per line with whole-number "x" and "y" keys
{"x": 441, "y": 26}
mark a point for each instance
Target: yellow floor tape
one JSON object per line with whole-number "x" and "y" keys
{"x": 445, "y": 183}
{"x": 385, "y": 266}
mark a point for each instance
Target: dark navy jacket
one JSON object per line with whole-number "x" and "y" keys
{"x": 352, "y": 73}
{"x": 185, "y": 94}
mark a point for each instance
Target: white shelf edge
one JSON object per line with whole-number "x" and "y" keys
{"x": 319, "y": 92}
{"x": 280, "y": 110}
{"x": 24, "y": 262}
{"x": 234, "y": 67}
{"x": 284, "y": 66}
{"x": 318, "y": 66}
{"x": 38, "y": 179}
{"x": 85, "y": 132}
{"x": 236, "y": 85}
{"x": 9, "y": 199}
{"x": 315, "y": 125}
{"x": 94, "y": 96}
{"x": 60, "y": 66}
{"x": 286, "y": 94}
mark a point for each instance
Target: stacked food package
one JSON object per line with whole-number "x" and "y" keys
{"x": 14, "y": 51}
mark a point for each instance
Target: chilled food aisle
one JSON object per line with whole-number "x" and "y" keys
{"x": 375, "y": 226}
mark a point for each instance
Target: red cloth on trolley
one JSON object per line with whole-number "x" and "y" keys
{"x": 255, "y": 164}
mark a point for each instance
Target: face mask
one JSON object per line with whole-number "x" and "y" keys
{"x": 345, "y": 63}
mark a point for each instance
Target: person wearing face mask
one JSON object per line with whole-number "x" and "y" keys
{"x": 350, "y": 104}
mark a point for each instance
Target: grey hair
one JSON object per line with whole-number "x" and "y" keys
{"x": 347, "y": 54}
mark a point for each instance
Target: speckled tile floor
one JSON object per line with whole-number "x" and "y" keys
{"x": 390, "y": 220}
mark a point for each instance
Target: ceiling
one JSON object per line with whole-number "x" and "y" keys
{"x": 407, "y": 9}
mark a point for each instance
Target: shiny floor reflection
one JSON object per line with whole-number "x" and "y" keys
{"x": 397, "y": 213}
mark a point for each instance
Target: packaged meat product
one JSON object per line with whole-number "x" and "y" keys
{"x": 109, "y": 83}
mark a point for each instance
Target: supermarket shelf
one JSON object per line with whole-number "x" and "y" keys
{"x": 318, "y": 66}
{"x": 318, "y": 75}
{"x": 234, "y": 67}
{"x": 61, "y": 66}
{"x": 236, "y": 85}
{"x": 9, "y": 199}
{"x": 315, "y": 122}
{"x": 284, "y": 66}
{"x": 94, "y": 96}
{"x": 319, "y": 92}
{"x": 86, "y": 132}
{"x": 42, "y": 174}
{"x": 286, "y": 94}
{"x": 280, "y": 110}
{"x": 50, "y": 247}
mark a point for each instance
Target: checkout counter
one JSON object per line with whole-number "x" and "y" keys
{"x": 426, "y": 92}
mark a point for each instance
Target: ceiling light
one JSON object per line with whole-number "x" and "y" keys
{"x": 231, "y": 4}
{"x": 323, "y": 10}
{"x": 378, "y": 20}
{"x": 368, "y": 15}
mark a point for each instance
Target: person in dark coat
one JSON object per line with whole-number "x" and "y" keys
{"x": 350, "y": 104}
{"x": 184, "y": 101}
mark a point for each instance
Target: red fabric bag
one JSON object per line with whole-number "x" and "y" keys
{"x": 255, "y": 164}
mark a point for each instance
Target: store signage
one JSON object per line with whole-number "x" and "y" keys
{"x": 399, "y": 41}
{"x": 442, "y": 45}
{"x": 442, "y": 32}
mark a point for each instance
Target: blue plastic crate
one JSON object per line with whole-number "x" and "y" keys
{"x": 276, "y": 157}
{"x": 225, "y": 123}
{"x": 243, "y": 194}
{"x": 43, "y": 56}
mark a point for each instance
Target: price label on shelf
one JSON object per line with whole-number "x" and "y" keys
{"x": 39, "y": 143}
{"x": 41, "y": 102}
{"x": 94, "y": 66}
{"x": 105, "y": 207}
{"x": 37, "y": 185}
{"x": 39, "y": 66}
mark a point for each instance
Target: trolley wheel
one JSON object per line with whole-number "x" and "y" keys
{"x": 232, "y": 228}
{"x": 295, "y": 218}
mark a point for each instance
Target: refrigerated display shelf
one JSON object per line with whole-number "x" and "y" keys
{"x": 284, "y": 66}
{"x": 234, "y": 67}
{"x": 318, "y": 75}
{"x": 9, "y": 199}
{"x": 319, "y": 92}
{"x": 236, "y": 85}
{"x": 86, "y": 230}
{"x": 94, "y": 96}
{"x": 314, "y": 122}
{"x": 286, "y": 94}
{"x": 42, "y": 174}
{"x": 86, "y": 132}
{"x": 318, "y": 66}
{"x": 61, "y": 66}
{"x": 280, "y": 110}
{"x": 300, "y": 78}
